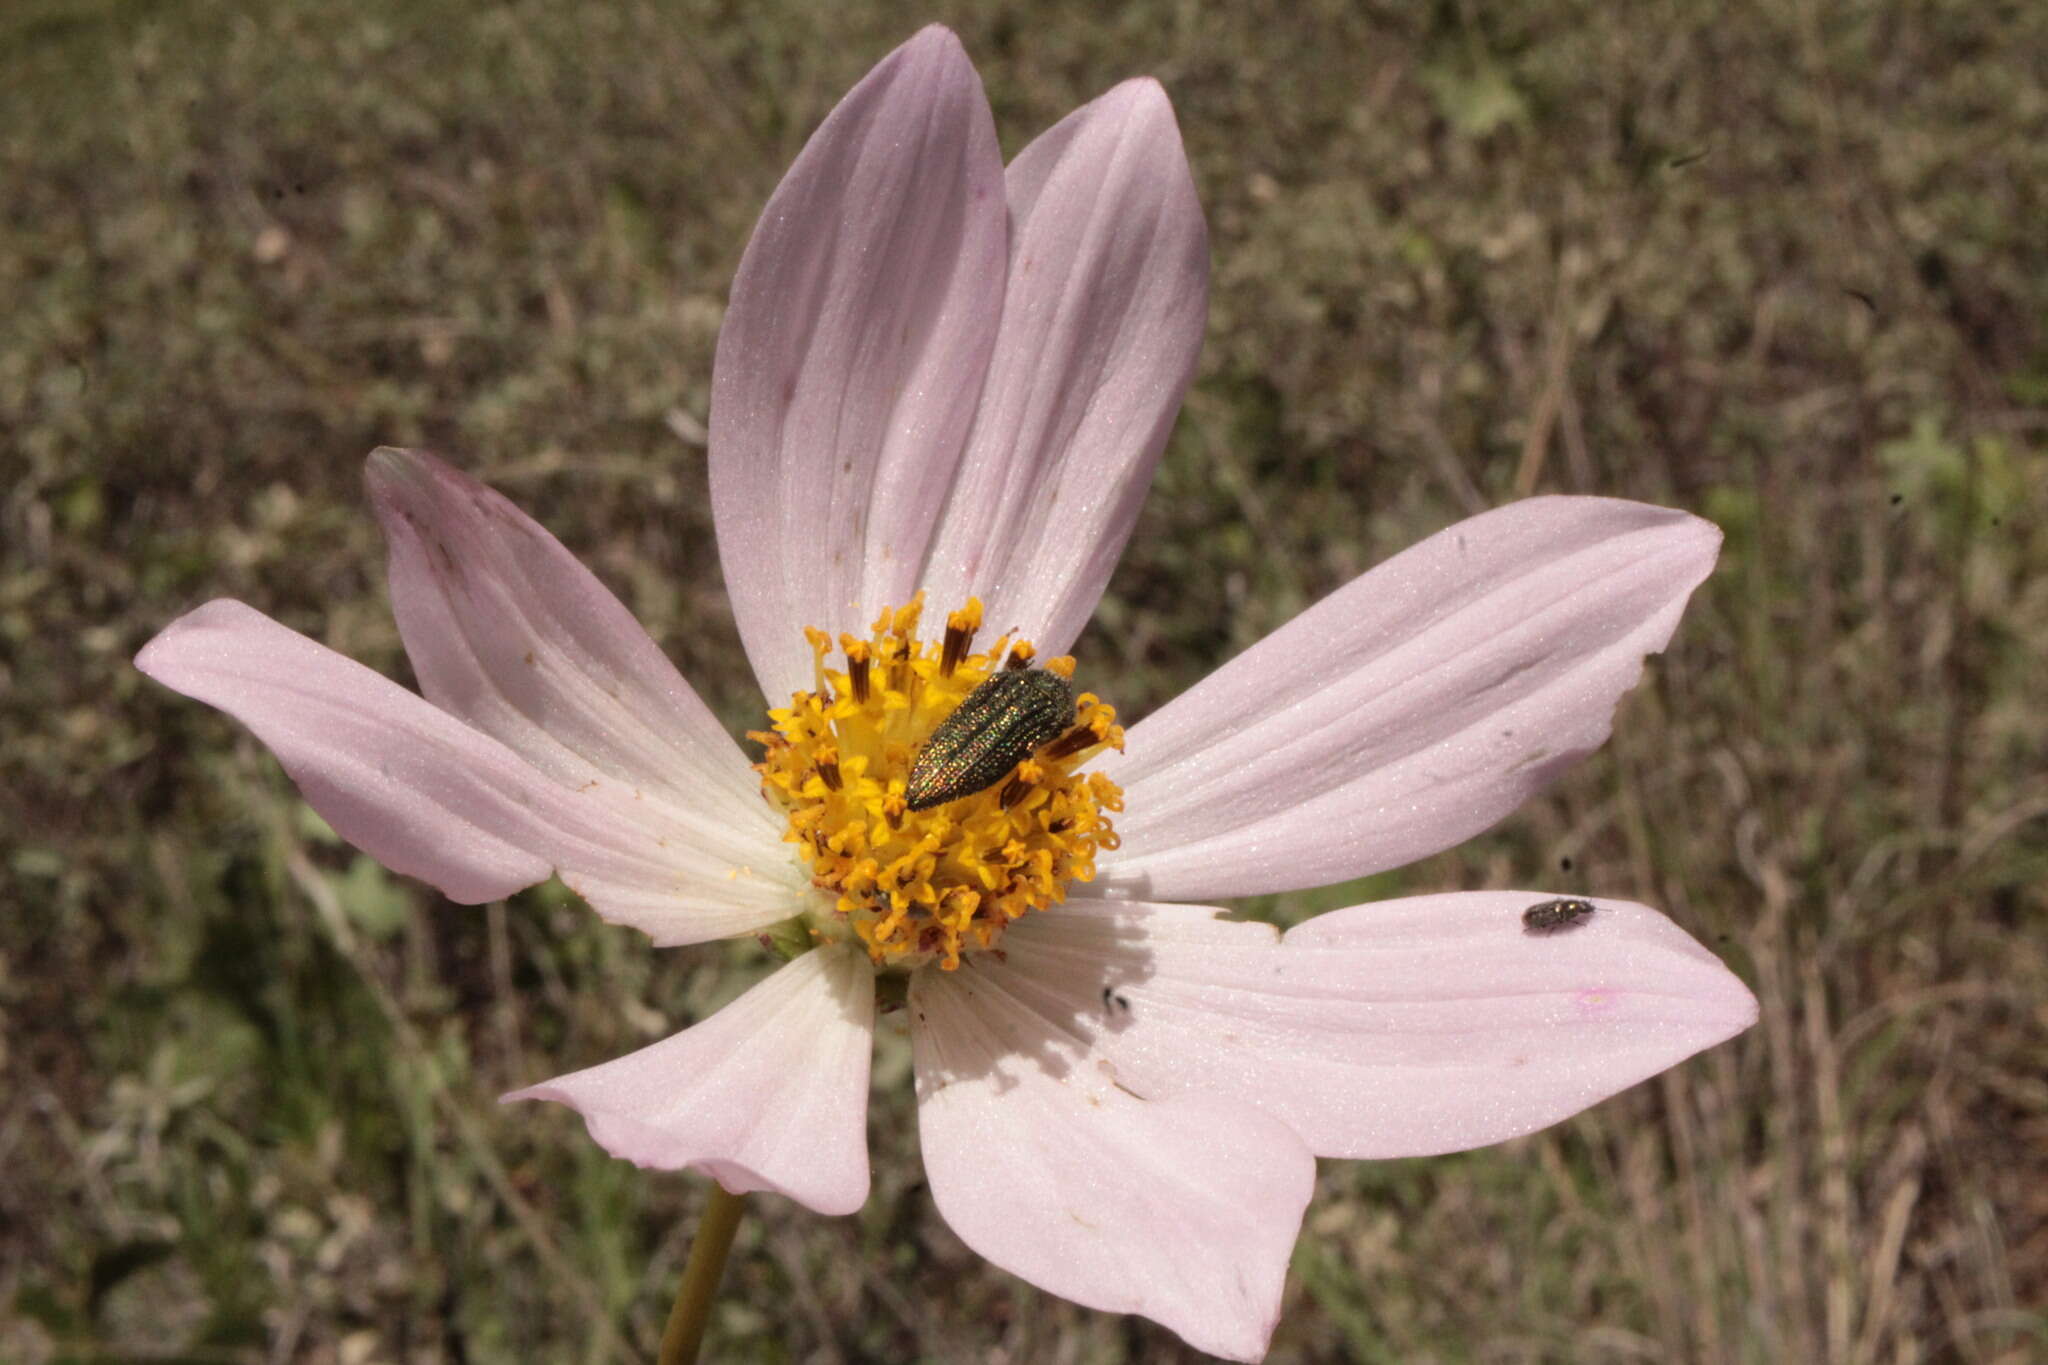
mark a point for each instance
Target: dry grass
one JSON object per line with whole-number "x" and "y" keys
{"x": 1782, "y": 265}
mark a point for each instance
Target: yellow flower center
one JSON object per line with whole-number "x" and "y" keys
{"x": 916, "y": 886}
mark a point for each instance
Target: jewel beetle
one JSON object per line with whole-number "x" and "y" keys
{"x": 996, "y": 726}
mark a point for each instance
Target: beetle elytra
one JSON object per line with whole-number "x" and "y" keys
{"x": 996, "y": 726}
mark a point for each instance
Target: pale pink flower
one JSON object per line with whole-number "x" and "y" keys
{"x": 939, "y": 376}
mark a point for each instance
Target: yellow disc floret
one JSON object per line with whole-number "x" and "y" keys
{"x": 926, "y": 885}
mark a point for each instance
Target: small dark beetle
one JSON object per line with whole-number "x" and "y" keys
{"x": 996, "y": 727}
{"x": 1556, "y": 916}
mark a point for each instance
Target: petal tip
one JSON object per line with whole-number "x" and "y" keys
{"x": 936, "y": 34}
{"x": 396, "y": 476}
{"x": 387, "y": 464}
{"x": 1139, "y": 94}
{"x": 152, "y": 657}
{"x": 1709, "y": 536}
{"x": 934, "y": 45}
{"x": 1692, "y": 546}
{"x": 1744, "y": 1009}
{"x": 162, "y": 654}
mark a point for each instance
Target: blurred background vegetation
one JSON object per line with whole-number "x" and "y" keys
{"x": 1783, "y": 264}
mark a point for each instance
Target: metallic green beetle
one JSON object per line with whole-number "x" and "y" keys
{"x": 1554, "y": 916}
{"x": 996, "y": 726}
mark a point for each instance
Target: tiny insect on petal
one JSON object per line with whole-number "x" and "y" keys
{"x": 995, "y": 727}
{"x": 1553, "y": 917}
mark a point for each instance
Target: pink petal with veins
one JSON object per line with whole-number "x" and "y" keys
{"x": 770, "y": 1093}
{"x": 852, "y": 354}
{"x": 1108, "y": 295}
{"x": 430, "y": 797}
{"x": 1410, "y": 709}
{"x": 1400, "y": 1028}
{"x": 1183, "y": 1208}
{"x": 509, "y": 632}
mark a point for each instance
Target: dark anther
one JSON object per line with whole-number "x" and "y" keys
{"x": 957, "y": 641}
{"x": 857, "y": 674}
{"x": 1072, "y": 742}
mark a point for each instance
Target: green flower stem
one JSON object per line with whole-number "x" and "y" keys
{"x": 684, "y": 1335}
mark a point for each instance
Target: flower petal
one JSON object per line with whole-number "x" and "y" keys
{"x": 509, "y": 632}
{"x": 770, "y": 1093}
{"x": 430, "y": 797}
{"x": 1408, "y": 710}
{"x": 1183, "y": 1209}
{"x": 1401, "y": 1028}
{"x": 848, "y": 366}
{"x": 1108, "y": 295}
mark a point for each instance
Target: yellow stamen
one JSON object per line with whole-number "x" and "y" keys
{"x": 922, "y": 886}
